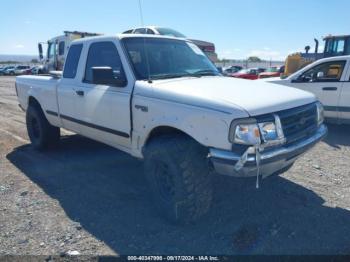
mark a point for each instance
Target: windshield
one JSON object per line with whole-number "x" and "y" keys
{"x": 273, "y": 69}
{"x": 167, "y": 58}
{"x": 244, "y": 71}
{"x": 169, "y": 32}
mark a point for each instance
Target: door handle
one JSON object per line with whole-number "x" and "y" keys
{"x": 330, "y": 88}
{"x": 80, "y": 92}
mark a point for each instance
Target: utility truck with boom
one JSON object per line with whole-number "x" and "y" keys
{"x": 160, "y": 99}
{"x": 57, "y": 49}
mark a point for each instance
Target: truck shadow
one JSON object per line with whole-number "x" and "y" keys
{"x": 105, "y": 191}
{"x": 338, "y": 135}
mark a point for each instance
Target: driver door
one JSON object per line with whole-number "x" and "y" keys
{"x": 324, "y": 80}
{"x": 104, "y": 110}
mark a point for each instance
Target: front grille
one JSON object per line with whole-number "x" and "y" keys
{"x": 299, "y": 123}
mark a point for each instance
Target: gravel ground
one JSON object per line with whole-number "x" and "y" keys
{"x": 89, "y": 198}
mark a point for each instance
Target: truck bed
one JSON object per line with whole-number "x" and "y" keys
{"x": 43, "y": 88}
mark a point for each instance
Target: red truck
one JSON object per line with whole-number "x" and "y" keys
{"x": 250, "y": 73}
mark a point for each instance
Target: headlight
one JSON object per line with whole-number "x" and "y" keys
{"x": 320, "y": 113}
{"x": 245, "y": 131}
{"x": 249, "y": 132}
{"x": 272, "y": 132}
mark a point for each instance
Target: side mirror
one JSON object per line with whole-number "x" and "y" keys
{"x": 40, "y": 47}
{"x": 320, "y": 75}
{"x": 298, "y": 79}
{"x": 105, "y": 76}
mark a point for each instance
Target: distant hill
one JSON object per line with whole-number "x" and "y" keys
{"x": 17, "y": 58}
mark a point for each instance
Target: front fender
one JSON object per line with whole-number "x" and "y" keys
{"x": 208, "y": 127}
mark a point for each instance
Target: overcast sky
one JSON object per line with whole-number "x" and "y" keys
{"x": 269, "y": 29}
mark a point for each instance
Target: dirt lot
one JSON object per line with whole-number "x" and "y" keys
{"x": 90, "y": 198}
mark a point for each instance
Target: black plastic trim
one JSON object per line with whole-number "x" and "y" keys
{"x": 101, "y": 128}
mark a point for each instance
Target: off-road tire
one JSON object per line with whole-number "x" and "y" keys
{"x": 185, "y": 161}
{"x": 41, "y": 133}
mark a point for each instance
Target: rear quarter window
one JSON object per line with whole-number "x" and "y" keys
{"x": 72, "y": 61}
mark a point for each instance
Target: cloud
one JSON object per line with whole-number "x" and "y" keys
{"x": 19, "y": 46}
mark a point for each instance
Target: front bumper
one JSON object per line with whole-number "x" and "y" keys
{"x": 271, "y": 161}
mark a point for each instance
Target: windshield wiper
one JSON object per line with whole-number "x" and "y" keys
{"x": 205, "y": 72}
{"x": 166, "y": 76}
{"x": 198, "y": 73}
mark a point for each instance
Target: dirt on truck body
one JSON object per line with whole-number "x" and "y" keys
{"x": 91, "y": 199}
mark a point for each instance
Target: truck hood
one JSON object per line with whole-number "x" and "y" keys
{"x": 226, "y": 94}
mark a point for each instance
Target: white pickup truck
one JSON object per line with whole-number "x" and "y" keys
{"x": 329, "y": 80}
{"x": 160, "y": 99}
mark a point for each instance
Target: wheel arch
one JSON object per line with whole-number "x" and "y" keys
{"x": 32, "y": 101}
{"x": 165, "y": 130}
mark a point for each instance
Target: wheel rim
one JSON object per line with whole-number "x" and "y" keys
{"x": 35, "y": 128}
{"x": 165, "y": 182}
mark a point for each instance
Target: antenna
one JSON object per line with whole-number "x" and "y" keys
{"x": 144, "y": 45}
{"x": 141, "y": 13}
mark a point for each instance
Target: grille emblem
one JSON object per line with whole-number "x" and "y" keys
{"x": 302, "y": 121}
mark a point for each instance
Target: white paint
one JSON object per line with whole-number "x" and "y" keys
{"x": 337, "y": 98}
{"x": 200, "y": 107}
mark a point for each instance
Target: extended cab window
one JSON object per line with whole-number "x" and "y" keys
{"x": 72, "y": 61}
{"x": 103, "y": 54}
{"x": 140, "y": 31}
{"x": 325, "y": 72}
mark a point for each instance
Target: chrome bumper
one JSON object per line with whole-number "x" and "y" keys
{"x": 272, "y": 161}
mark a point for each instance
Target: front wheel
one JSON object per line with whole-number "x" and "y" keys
{"x": 179, "y": 177}
{"x": 41, "y": 133}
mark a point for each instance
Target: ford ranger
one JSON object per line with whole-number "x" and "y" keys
{"x": 160, "y": 99}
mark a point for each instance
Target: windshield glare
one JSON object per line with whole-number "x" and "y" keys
{"x": 166, "y": 58}
{"x": 244, "y": 71}
{"x": 169, "y": 32}
{"x": 272, "y": 69}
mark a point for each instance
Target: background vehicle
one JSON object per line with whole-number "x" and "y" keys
{"x": 272, "y": 72}
{"x": 231, "y": 70}
{"x": 20, "y": 70}
{"x": 338, "y": 45}
{"x": 10, "y": 71}
{"x": 328, "y": 79}
{"x": 4, "y": 69}
{"x": 57, "y": 48}
{"x": 36, "y": 70}
{"x": 207, "y": 47}
{"x": 112, "y": 90}
{"x": 250, "y": 73}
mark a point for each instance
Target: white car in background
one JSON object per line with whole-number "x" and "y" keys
{"x": 329, "y": 80}
{"x": 207, "y": 47}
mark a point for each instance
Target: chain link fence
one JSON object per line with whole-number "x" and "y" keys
{"x": 248, "y": 64}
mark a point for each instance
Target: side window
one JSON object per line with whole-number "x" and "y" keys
{"x": 72, "y": 61}
{"x": 61, "y": 48}
{"x": 150, "y": 32}
{"x": 51, "y": 50}
{"x": 140, "y": 31}
{"x": 326, "y": 72}
{"x": 103, "y": 54}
